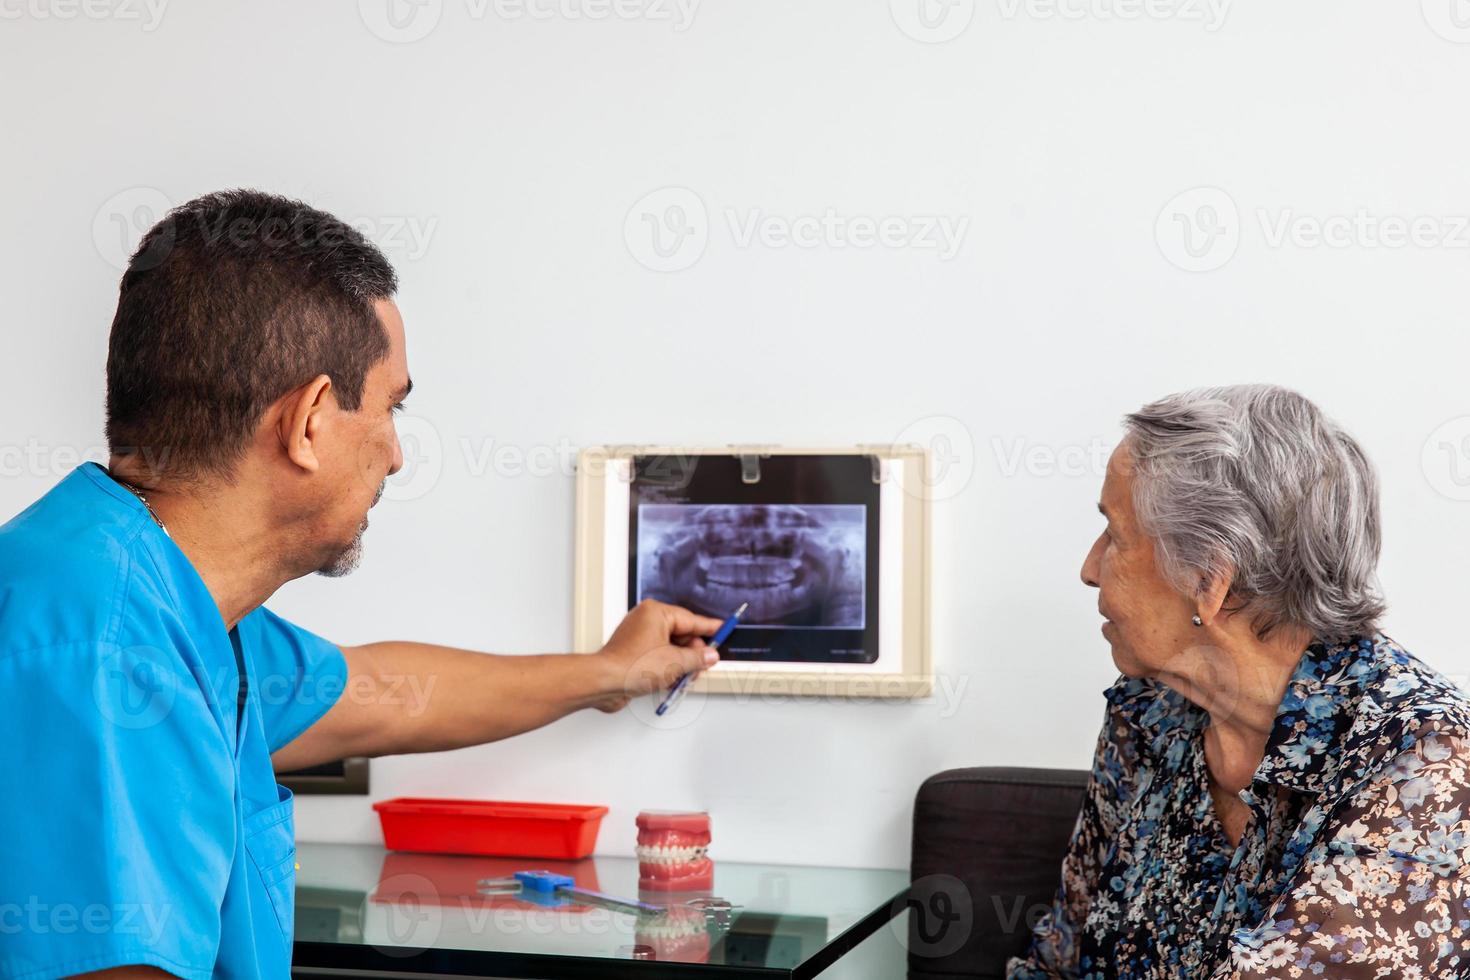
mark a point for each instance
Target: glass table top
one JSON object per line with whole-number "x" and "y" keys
{"x": 361, "y": 906}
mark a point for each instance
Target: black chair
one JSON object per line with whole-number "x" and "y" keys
{"x": 988, "y": 847}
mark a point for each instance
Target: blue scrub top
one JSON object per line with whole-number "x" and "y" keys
{"x": 142, "y": 822}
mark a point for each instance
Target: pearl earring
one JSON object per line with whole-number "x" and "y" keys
{"x": 1197, "y": 621}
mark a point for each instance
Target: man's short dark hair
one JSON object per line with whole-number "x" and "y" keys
{"x": 230, "y": 302}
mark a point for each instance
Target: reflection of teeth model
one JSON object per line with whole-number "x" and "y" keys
{"x": 676, "y": 923}
{"x": 672, "y": 854}
{"x": 677, "y": 935}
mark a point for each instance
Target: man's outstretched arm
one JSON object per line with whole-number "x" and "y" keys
{"x": 414, "y": 697}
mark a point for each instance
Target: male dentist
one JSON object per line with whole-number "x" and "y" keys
{"x": 254, "y": 366}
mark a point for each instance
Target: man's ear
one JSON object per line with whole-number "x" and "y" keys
{"x": 300, "y": 422}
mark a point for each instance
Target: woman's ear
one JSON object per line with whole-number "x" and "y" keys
{"x": 300, "y": 425}
{"x": 1212, "y": 593}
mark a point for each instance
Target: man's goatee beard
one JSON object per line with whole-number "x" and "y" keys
{"x": 350, "y": 557}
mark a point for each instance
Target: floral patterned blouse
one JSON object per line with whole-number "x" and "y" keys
{"x": 1355, "y": 861}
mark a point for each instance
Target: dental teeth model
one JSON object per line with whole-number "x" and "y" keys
{"x": 672, "y": 850}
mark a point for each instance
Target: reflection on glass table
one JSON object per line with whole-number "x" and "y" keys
{"x": 367, "y": 910}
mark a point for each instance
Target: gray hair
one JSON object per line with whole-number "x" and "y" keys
{"x": 1254, "y": 482}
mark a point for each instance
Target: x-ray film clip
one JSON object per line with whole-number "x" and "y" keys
{"x": 750, "y": 463}
{"x": 877, "y": 451}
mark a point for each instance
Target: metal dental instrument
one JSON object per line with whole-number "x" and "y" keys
{"x": 552, "y": 890}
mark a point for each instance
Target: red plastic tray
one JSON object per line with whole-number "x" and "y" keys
{"x": 496, "y": 829}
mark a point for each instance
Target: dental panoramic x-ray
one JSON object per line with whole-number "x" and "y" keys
{"x": 799, "y": 547}
{"x": 796, "y": 565}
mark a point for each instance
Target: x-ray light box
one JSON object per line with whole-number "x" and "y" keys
{"x": 828, "y": 548}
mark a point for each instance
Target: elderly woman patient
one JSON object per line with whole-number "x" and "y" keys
{"x": 1279, "y": 789}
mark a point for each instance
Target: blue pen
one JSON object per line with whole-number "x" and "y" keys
{"x": 676, "y": 693}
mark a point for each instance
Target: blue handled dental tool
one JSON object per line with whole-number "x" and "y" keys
{"x": 552, "y": 890}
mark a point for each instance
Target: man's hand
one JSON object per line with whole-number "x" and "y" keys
{"x": 653, "y": 647}
{"x": 413, "y": 697}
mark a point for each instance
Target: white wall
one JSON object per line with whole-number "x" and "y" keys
{"x": 514, "y": 148}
